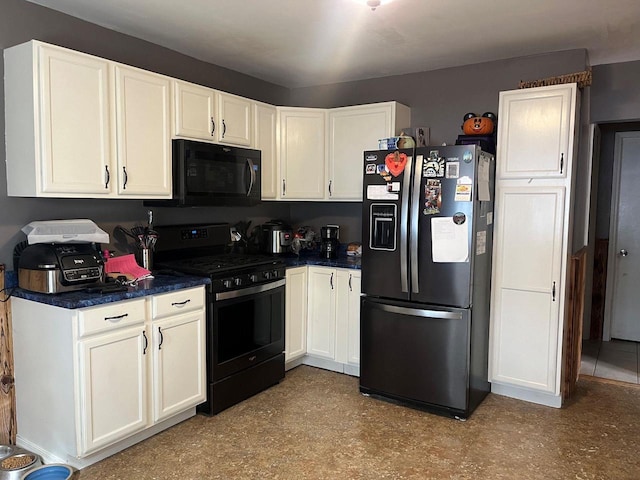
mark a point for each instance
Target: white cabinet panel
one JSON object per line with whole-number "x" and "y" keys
{"x": 234, "y": 119}
{"x": 143, "y": 133}
{"x": 194, "y": 111}
{"x": 295, "y": 313}
{"x": 525, "y": 352}
{"x": 113, "y": 387}
{"x": 535, "y": 132}
{"x": 302, "y": 153}
{"x": 321, "y": 333}
{"x": 352, "y": 130}
{"x": 265, "y": 123}
{"x": 179, "y": 348}
{"x": 58, "y": 122}
{"x": 528, "y": 286}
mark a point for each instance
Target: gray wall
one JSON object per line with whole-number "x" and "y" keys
{"x": 439, "y": 99}
{"x": 615, "y": 95}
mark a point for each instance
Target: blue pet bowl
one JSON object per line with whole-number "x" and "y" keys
{"x": 53, "y": 471}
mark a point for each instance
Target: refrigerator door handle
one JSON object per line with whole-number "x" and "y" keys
{"x": 404, "y": 221}
{"x": 417, "y": 312}
{"x": 415, "y": 220}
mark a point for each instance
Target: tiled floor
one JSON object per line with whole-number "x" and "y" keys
{"x": 616, "y": 360}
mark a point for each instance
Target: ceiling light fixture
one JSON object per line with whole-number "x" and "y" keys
{"x": 373, "y": 3}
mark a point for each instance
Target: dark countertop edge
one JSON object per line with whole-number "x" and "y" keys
{"x": 312, "y": 260}
{"x": 79, "y": 299}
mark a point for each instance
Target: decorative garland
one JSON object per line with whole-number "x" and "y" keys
{"x": 583, "y": 79}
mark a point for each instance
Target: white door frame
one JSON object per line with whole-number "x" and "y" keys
{"x": 613, "y": 229}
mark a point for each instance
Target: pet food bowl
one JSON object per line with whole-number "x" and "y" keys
{"x": 52, "y": 471}
{"x": 16, "y": 461}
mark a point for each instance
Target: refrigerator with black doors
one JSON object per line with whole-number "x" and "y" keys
{"x": 426, "y": 268}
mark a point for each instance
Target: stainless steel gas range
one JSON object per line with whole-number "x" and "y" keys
{"x": 245, "y": 310}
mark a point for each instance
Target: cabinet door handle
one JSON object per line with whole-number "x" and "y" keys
{"x": 224, "y": 128}
{"x": 117, "y": 317}
{"x": 107, "y": 176}
{"x": 126, "y": 177}
{"x": 284, "y": 187}
{"x": 180, "y": 304}
{"x": 561, "y": 162}
{"x": 553, "y": 292}
{"x": 330, "y": 193}
{"x": 213, "y": 126}
{"x": 161, "y": 338}
{"x": 350, "y": 289}
{"x": 146, "y": 343}
{"x": 331, "y": 281}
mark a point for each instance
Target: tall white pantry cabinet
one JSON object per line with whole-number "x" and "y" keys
{"x": 534, "y": 179}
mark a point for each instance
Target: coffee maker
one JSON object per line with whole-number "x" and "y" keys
{"x": 329, "y": 236}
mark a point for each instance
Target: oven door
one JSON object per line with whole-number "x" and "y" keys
{"x": 247, "y": 328}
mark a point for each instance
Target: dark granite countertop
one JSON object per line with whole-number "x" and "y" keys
{"x": 81, "y": 299}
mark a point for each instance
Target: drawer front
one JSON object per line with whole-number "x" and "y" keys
{"x": 176, "y": 302}
{"x": 110, "y": 316}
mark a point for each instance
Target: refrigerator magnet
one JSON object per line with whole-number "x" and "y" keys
{"x": 433, "y": 168}
{"x": 371, "y": 168}
{"x": 463, "y": 189}
{"x": 452, "y": 170}
{"x": 432, "y": 197}
{"x": 395, "y": 162}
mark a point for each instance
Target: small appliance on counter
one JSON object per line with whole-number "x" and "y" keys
{"x": 61, "y": 256}
{"x": 276, "y": 237}
{"x": 58, "y": 267}
{"x": 330, "y": 241}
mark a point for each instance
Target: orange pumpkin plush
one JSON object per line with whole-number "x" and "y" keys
{"x": 474, "y": 125}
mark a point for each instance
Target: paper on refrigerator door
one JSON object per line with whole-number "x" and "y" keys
{"x": 484, "y": 195}
{"x": 449, "y": 242}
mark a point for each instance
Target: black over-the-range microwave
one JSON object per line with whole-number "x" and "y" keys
{"x": 211, "y": 174}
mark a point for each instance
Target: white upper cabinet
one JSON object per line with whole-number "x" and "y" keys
{"x": 58, "y": 122}
{"x": 352, "y": 130}
{"x": 195, "y": 111}
{"x": 202, "y": 113}
{"x": 265, "y": 123}
{"x": 234, "y": 119}
{"x": 143, "y": 102}
{"x": 302, "y": 153}
{"x": 80, "y": 126}
{"x": 535, "y": 131}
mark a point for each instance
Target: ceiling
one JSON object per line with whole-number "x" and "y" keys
{"x": 296, "y": 43}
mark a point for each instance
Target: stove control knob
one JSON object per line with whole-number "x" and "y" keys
{"x": 268, "y": 275}
{"x": 226, "y": 283}
{"x": 237, "y": 281}
{"x": 275, "y": 274}
{"x": 253, "y": 277}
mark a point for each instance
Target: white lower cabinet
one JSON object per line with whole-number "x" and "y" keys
{"x": 295, "y": 343}
{"x": 108, "y": 376}
{"x": 112, "y": 410}
{"x": 333, "y": 319}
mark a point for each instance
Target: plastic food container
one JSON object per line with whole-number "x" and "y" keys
{"x": 52, "y": 471}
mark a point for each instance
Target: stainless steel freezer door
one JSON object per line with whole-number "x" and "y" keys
{"x": 411, "y": 353}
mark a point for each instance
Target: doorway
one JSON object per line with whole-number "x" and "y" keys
{"x": 603, "y": 354}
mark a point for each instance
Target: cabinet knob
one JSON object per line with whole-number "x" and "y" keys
{"x": 624, "y": 253}
{"x": 107, "y": 176}
{"x": 126, "y": 177}
{"x": 213, "y": 126}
